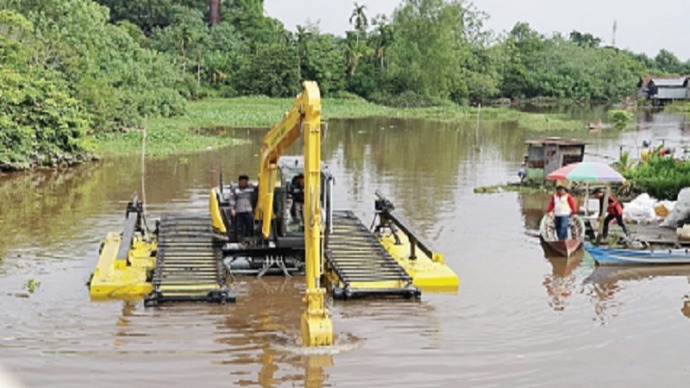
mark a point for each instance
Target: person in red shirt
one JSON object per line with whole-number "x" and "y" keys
{"x": 614, "y": 210}
{"x": 561, "y": 206}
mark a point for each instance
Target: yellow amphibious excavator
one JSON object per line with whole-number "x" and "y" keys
{"x": 188, "y": 257}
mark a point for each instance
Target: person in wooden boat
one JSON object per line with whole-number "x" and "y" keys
{"x": 595, "y": 127}
{"x": 522, "y": 171}
{"x": 614, "y": 210}
{"x": 562, "y": 206}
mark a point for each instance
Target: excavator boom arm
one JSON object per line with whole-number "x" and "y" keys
{"x": 307, "y": 105}
{"x": 304, "y": 118}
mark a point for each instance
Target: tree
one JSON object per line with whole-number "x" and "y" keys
{"x": 355, "y": 50}
{"x": 302, "y": 37}
{"x": 226, "y": 53}
{"x": 524, "y": 48}
{"x": 320, "y": 59}
{"x": 98, "y": 63}
{"x": 667, "y": 62}
{"x": 383, "y": 38}
{"x": 40, "y": 124}
{"x": 358, "y": 19}
{"x": 247, "y": 16}
{"x": 431, "y": 47}
{"x": 187, "y": 36}
{"x": 16, "y": 36}
{"x": 584, "y": 40}
{"x": 148, "y": 14}
{"x": 271, "y": 71}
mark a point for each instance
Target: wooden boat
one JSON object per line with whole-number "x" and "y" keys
{"x": 611, "y": 274}
{"x": 613, "y": 256}
{"x": 562, "y": 248}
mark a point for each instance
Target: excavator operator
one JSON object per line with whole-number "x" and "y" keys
{"x": 242, "y": 200}
{"x": 296, "y": 192}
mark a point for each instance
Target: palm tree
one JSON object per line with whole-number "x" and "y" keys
{"x": 360, "y": 19}
{"x": 384, "y": 38}
{"x": 353, "y": 53}
{"x": 302, "y": 48}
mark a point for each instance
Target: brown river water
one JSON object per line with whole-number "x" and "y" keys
{"x": 519, "y": 319}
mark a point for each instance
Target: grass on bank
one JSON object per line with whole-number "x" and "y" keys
{"x": 185, "y": 133}
{"x": 678, "y": 107}
{"x": 510, "y": 187}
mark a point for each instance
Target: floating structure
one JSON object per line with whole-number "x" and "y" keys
{"x": 187, "y": 256}
{"x": 661, "y": 90}
{"x": 549, "y": 154}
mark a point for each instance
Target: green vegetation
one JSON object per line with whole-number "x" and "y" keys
{"x": 68, "y": 72}
{"x": 621, "y": 118}
{"x": 625, "y": 162}
{"x": 193, "y": 130}
{"x": 678, "y": 107}
{"x": 95, "y": 69}
{"x": 516, "y": 188}
{"x": 39, "y": 124}
{"x": 32, "y": 285}
{"x": 661, "y": 177}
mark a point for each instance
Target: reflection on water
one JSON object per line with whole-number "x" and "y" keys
{"x": 501, "y": 329}
{"x": 561, "y": 282}
{"x": 604, "y": 283}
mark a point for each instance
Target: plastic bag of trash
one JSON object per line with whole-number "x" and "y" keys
{"x": 664, "y": 208}
{"x": 680, "y": 211}
{"x": 683, "y": 233}
{"x": 640, "y": 210}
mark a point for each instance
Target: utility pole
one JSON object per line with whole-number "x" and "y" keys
{"x": 214, "y": 11}
{"x": 613, "y": 38}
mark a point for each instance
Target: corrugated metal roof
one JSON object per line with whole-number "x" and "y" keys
{"x": 673, "y": 82}
{"x": 645, "y": 80}
{"x": 555, "y": 141}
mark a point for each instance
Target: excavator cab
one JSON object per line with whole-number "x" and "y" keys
{"x": 288, "y": 223}
{"x": 288, "y": 227}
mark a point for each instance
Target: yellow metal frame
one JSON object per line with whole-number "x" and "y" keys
{"x": 215, "y": 211}
{"x": 429, "y": 274}
{"x": 317, "y": 327}
{"x": 123, "y": 279}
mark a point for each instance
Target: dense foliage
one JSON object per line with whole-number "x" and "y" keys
{"x": 426, "y": 52}
{"x": 67, "y": 71}
{"x": 114, "y": 62}
{"x": 661, "y": 177}
{"x": 40, "y": 124}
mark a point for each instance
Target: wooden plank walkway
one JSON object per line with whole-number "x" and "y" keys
{"x": 651, "y": 234}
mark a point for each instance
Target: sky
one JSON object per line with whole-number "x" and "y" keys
{"x": 643, "y": 27}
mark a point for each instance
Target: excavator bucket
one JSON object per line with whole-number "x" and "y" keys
{"x": 317, "y": 327}
{"x": 317, "y": 331}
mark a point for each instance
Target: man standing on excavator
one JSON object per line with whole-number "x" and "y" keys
{"x": 242, "y": 199}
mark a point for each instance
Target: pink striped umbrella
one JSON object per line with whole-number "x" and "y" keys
{"x": 587, "y": 172}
